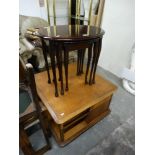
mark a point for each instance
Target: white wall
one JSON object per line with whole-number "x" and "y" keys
{"x": 32, "y": 8}
{"x": 29, "y": 8}
{"x": 118, "y": 23}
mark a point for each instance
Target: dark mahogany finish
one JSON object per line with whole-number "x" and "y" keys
{"x": 67, "y": 38}
{"x": 70, "y": 32}
{"x": 45, "y": 49}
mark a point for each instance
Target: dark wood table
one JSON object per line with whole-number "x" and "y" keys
{"x": 65, "y": 38}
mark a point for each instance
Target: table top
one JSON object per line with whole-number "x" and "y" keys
{"x": 70, "y": 32}
{"x": 79, "y": 97}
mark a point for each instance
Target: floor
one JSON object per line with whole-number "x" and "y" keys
{"x": 120, "y": 142}
{"x": 122, "y": 108}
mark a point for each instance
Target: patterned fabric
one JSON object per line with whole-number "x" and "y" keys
{"x": 26, "y": 48}
{"x": 32, "y": 22}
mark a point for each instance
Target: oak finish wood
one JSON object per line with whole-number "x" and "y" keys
{"x": 79, "y": 108}
{"x": 76, "y": 100}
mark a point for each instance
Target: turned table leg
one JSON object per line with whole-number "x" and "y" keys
{"x": 93, "y": 63}
{"x": 99, "y": 44}
{"x": 45, "y": 49}
{"x": 52, "y": 56}
{"x": 88, "y": 62}
{"x": 80, "y": 61}
{"x": 66, "y": 59}
{"x": 59, "y": 63}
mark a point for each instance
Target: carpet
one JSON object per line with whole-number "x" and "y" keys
{"x": 120, "y": 142}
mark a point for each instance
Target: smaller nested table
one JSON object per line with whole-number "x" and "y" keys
{"x": 67, "y": 38}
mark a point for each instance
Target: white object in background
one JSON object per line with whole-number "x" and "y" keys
{"x": 128, "y": 74}
{"x": 29, "y": 46}
{"x": 27, "y": 50}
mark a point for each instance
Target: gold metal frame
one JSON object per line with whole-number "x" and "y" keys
{"x": 76, "y": 15}
{"x": 69, "y": 12}
{"x": 78, "y": 9}
{"x": 54, "y": 13}
{"x": 48, "y": 13}
{"x": 90, "y": 12}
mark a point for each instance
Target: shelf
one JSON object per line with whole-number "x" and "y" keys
{"x": 83, "y": 121}
{"x": 73, "y": 17}
{"x": 75, "y": 131}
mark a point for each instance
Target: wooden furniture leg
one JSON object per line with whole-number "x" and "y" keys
{"x": 82, "y": 60}
{"x": 58, "y": 60}
{"x": 59, "y": 63}
{"x": 61, "y": 70}
{"x": 52, "y": 56}
{"x": 78, "y": 61}
{"x": 45, "y": 49}
{"x": 93, "y": 62}
{"x": 46, "y": 123}
{"x": 26, "y": 146}
{"x": 88, "y": 63}
{"x": 66, "y": 57}
{"x": 24, "y": 142}
{"x": 99, "y": 44}
{"x": 38, "y": 108}
{"x": 45, "y": 131}
{"x": 32, "y": 114}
